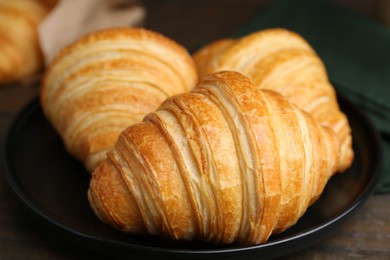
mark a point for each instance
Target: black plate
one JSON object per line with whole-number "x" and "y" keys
{"x": 53, "y": 185}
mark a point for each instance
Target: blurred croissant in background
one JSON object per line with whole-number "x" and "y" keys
{"x": 108, "y": 80}
{"x": 20, "y": 53}
{"x": 282, "y": 61}
{"x": 226, "y": 163}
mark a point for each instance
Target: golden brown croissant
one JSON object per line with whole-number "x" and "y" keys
{"x": 283, "y": 61}
{"x": 108, "y": 80}
{"x": 20, "y": 53}
{"x": 216, "y": 165}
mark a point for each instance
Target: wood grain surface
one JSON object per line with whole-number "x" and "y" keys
{"x": 366, "y": 235}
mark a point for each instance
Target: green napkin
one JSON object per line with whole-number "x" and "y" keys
{"x": 355, "y": 50}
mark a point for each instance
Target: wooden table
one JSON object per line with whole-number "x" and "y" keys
{"x": 365, "y": 235}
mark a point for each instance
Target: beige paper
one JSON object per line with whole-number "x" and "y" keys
{"x": 71, "y": 19}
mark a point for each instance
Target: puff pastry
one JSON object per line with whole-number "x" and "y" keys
{"x": 283, "y": 61}
{"x": 20, "y": 54}
{"x": 108, "y": 80}
{"x": 216, "y": 164}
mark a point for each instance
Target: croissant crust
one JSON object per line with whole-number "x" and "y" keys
{"x": 283, "y": 61}
{"x": 108, "y": 80}
{"x": 216, "y": 164}
{"x": 20, "y": 53}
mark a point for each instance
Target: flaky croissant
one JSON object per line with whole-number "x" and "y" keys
{"x": 20, "y": 53}
{"x": 225, "y": 163}
{"x": 283, "y": 61}
{"x": 108, "y": 80}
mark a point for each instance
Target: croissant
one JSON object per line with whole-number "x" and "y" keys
{"x": 20, "y": 54}
{"x": 108, "y": 80}
{"x": 216, "y": 165}
{"x": 283, "y": 61}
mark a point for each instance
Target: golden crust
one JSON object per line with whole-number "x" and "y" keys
{"x": 283, "y": 61}
{"x": 112, "y": 184}
{"x": 257, "y": 45}
{"x": 108, "y": 80}
{"x": 208, "y": 55}
{"x": 216, "y": 165}
{"x": 141, "y": 40}
{"x": 20, "y": 54}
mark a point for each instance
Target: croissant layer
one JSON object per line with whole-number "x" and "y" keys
{"x": 225, "y": 163}
{"x": 108, "y": 80}
{"x": 283, "y": 61}
{"x": 20, "y": 53}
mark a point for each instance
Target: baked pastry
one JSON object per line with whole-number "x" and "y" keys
{"x": 206, "y": 57}
{"x": 108, "y": 80}
{"x": 216, "y": 165}
{"x": 20, "y": 54}
{"x": 283, "y": 61}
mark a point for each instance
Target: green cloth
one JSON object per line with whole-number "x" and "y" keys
{"x": 356, "y": 53}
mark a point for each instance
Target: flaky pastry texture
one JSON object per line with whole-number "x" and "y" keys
{"x": 283, "y": 61}
{"x": 108, "y": 80}
{"x": 225, "y": 163}
{"x": 20, "y": 52}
